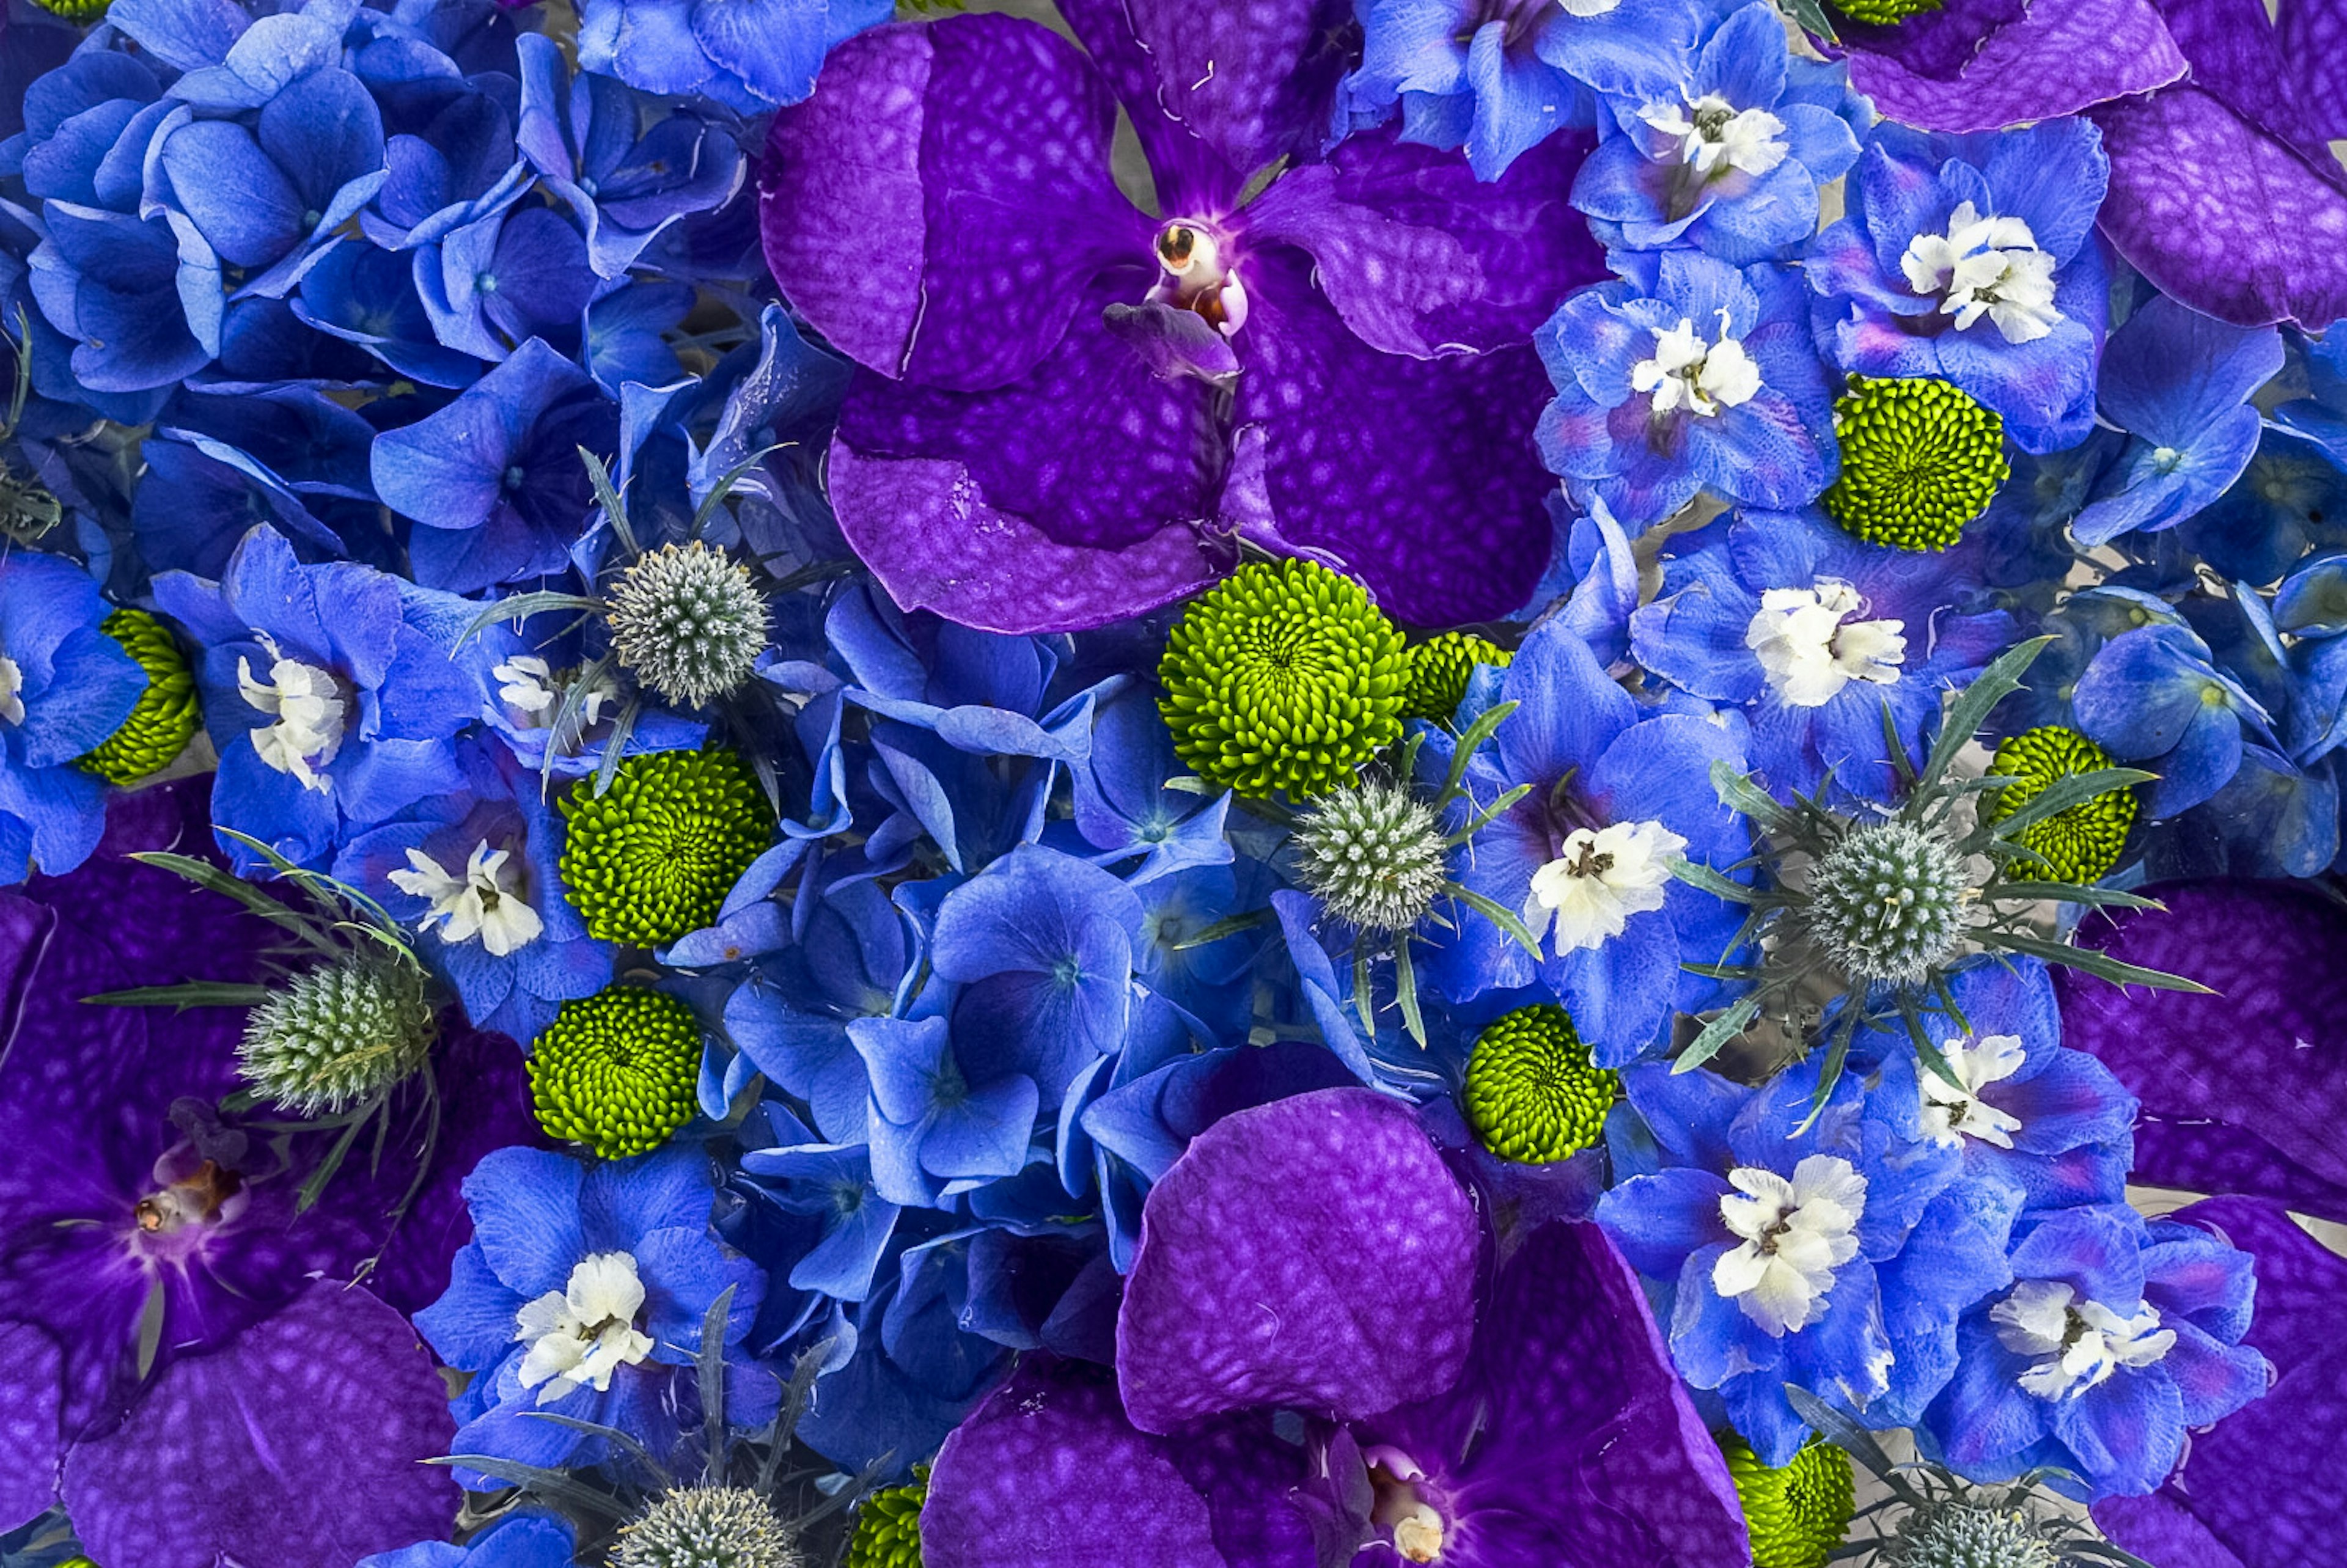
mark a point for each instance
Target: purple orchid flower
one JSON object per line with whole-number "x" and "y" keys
{"x": 1316, "y": 1255}
{"x": 1069, "y": 412}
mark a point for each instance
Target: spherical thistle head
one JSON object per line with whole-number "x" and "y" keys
{"x": 1283, "y": 679}
{"x": 1798, "y": 1514}
{"x": 1373, "y": 854}
{"x": 688, "y": 623}
{"x": 2079, "y": 843}
{"x": 1967, "y": 1535}
{"x": 1884, "y": 12}
{"x": 653, "y": 857}
{"x": 161, "y": 726}
{"x": 1533, "y": 1094}
{"x": 888, "y": 1526}
{"x": 336, "y": 1036}
{"x": 616, "y": 1070}
{"x": 1439, "y": 669}
{"x": 1887, "y": 902}
{"x": 708, "y": 1527}
{"x": 1920, "y": 459}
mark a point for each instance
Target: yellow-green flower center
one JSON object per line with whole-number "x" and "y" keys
{"x": 1795, "y": 1515}
{"x": 1533, "y": 1093}
{"x": 2080, "y": 842}
{"x": 654, "y": 856}
{"x": 159, "y": 727}
{"x": 616, "y": 1070}
{"x": 1920, "y": 459}
{"x": 1439, "y": 669}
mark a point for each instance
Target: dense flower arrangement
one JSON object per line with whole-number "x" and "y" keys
{"x": 1270, "y": 786}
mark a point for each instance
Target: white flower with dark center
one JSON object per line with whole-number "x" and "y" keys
{"x": 308, "y": 713}
{"x": 12, "y": 686}
{"x": 1793, "y": 1235}
{"x": 1811, "y": 648}
{"x": 486, "y": 901}
{"x": 2074, "y": 1343}
{"x": 1602, "y": 878}
{"x": 1688, "y": 372}
{"x": 580, "y": 1335}
{"x": 1954, "y": 1112}
{"x": 534, "y": 689}
{"x": 688, "y": 621}
{"x": 1713, "y": 134}
{"x": 1986, "y": 267}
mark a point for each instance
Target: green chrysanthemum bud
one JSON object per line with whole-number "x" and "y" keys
{"x": 888, "y": 1526}
{"x": 159, "y": 727}
{"x": 688, "y": 623}
{"x": 1439, "y": 669}
{"x": 1966, "y": 1535}
{"x": 616, "y": 1070}
{"x": 1284, "y": 678}
{"x": 1887, "y": 902}
{"x": 1373, "y": 854}
{"x": 1920, "y": 459}
{"x": 1531, "y": 1094}
{"x": 708, "y": 1527}
{"x": 654, "y": 857}
{"x": 1795, "y": 1515}
{"x": 28, "y": 509}
{"x": 1883, "y": 13}
{"x": 2080, "y": 842}
{"x": 337, "y": 1036}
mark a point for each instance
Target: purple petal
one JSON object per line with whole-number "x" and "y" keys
{"x": 938, "y": 208}
{"x": 2060, "y": 57}
{"x": 301, "y": 1444}
{"x": 1314, "y": 1253}
{"x": 2225, "y": 219}
{"x": 2216, "y": 1157}
{"x": 2262, "y": 1489}
{"x": 2267, "y": 1055}
{"x": 32, "y": 1374}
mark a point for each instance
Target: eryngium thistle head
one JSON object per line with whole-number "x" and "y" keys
{"x": 1795, "y": 1515}
{"x": 1439, "y": 669}
{"x": 1887, "y": 902}
{"x": 1920, "y": 459}
{"x": 654, "y": 855}
{"x": 1373, "y": 854}
{"x": 1283, "y": 679}
{"x": 616, "y": 1070}
{"x": 708, "y": 1527}
{"x": 1967, "y": 1535}
{"x": 1533, "y": 1093}
{"x": 688, "y": 623}
{"x": 336, "y": 1036}
{"x": 159, "y": 727}
{"x": 888, "y": 1526}
{"x": 2080, "y": 842}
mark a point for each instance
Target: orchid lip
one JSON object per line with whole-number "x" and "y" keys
{"x": 1196, "y": 273}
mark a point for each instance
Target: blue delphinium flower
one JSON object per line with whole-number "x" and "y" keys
{"x": 65, "y": 687}
{"x": 747, "y": 57}
{"x": 1705, "y": 381}
{"x": 526, "y": 1539}
{"x": 1725, "y": 152}
{"x": 1972, "y": 259}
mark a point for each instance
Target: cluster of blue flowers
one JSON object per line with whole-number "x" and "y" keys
{"x": 1583, "y": 716}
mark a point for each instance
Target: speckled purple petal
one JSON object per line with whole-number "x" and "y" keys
{"x": 2222, "y": 217}
{"x": 2313, "y": 39}
{"x": 937, "y": 208}
{"x": 1314, "y": 1253}
{"x": 301, "y": 1445}
{"x": 2057, "y": 58}
{"x": 2236, "y": 59}
{"x": 32, "y": 1373}
{"x": 2267, "y": 1056}
{"x": 1422, "y": 258}
{"x": 2263, "y": 1488}
{"x": 2203, "y": 1156}
{"x": 1048, "y": 1473}
{"x": 1419, "y": 476}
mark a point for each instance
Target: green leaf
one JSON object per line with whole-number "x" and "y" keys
{"x": 1230, "y": 927}
{"x": 1696, "y": 874}
{"x": 615, "y": 744}
{"x": 1463, "y": 751}
{"x": 1895, "y": 746}
{"x": 2073, "y": 893}
{"x": 1839, "y": 1431}
{"x": 574, "y": 697}
{"x": 643, "y": 1455}
{"x": 520, "y": 607}
{"x": 725, "y": 483}
{"x": 1738, "y": 793}
{"x": 1485, "y": 817}
{"x": 709, "y": 1372}
{"x": 1405, "y": 991}
{"x": 1715, "y": 1035}
{"x": 1363, "y": 1002}
{"x": 2065, "y": 793}
{"x": 1505, "y": 919}
{"x": 1837, "y": 1054}
{"x": 615, "y": 511}
{"x": 1971, "y": 710}
{"x": 1812, "y": 19}
{"x": 553, "y": 1485}
{"x": 2101, "y": 965}
{"x": 205, "y": 874}
{"x": 188, "y": 994}
{"x": 1930, "y": 1054}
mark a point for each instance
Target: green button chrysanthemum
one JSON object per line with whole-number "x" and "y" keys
{"x": 337, "y": 1036}
{"x": 1283, "y": 679}
{"x": 159, "y": 727}
{"x": 1533, "y": 1094}
{"x": 1883, "y": 13}
{"x": 888, "y": 1526}
{"x": 1920, "y": 459}
{"x": 1439, "y": 669}
{"x": 1795, "y": 1515}
{"x": 76, "y": 10}
{"x": 2080, "y": 842}
{"x": 616, "y": 1070}
{"x": 654, "y": 856}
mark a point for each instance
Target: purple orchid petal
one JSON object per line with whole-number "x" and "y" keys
{"x": 1314, "y": 1253}
{"x": 1417, "y": 477}
{"x": 937, "y": 210}
{"x": 2262, "y": 1488}
{"x": 32, "y": 1401}
{"x": 2057, "y": 57}
{"x": 301, "y": 1444}
{"x": 2218, "y": 1157}
{"x": 2230, "y": 221}
{"x": 1422, "y": 258}
{"x": 2266, "y": 1056}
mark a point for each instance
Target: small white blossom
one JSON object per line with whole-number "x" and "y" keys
{"x": 2074, "y": 1344}
{"x": 579, "y": 1336}
{"x": 1602, "y": 878}
{"x": 1712, "y": 134}
{"x": 1687, "y": 373}
{"x": 1811, "y": 648}
{"x": 1986, "y": 266}
{"x": 1793, "y": 1235}
{"x": 309, "y": 713}
{"x": 12, "y": 686}
{"x": 1952, "y": 1114}
{"x": 484, "y": 902}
